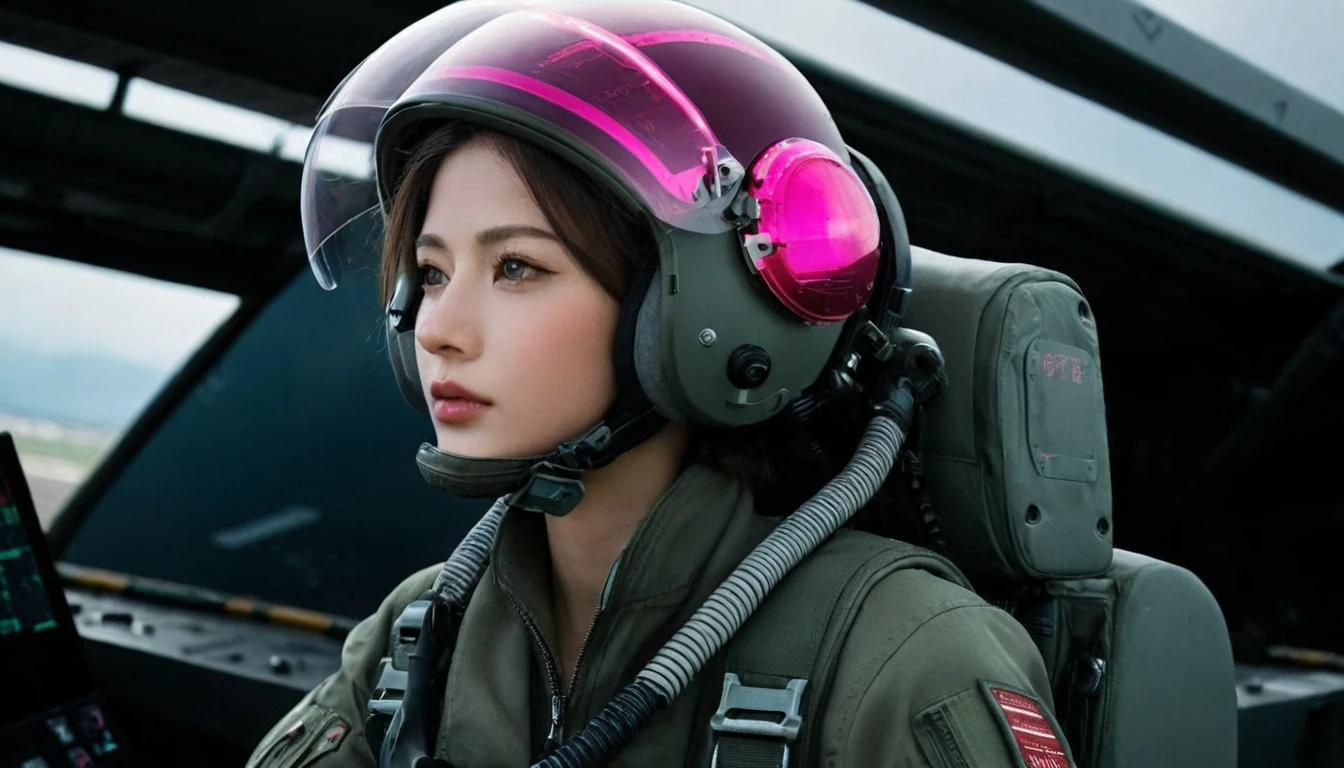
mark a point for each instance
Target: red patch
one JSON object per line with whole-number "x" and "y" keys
{"x": 335, "y": 733}
{"x": 1036, "y": 739}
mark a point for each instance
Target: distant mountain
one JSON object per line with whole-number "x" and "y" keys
{"x": 83, "y": 388}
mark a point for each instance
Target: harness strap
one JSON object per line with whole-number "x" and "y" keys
{"x": 402, "y": 721}
{"x": 779, "y": 665}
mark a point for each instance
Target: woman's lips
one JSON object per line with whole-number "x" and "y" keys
{"x": 454, "y": 403}
{"x": 457, "y": 410}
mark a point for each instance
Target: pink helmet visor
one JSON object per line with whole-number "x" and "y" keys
{"x": 592, "y": 85}
{"x": 597, "y": 77}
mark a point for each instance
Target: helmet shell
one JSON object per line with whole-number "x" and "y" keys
{"x": 667, "y": 104}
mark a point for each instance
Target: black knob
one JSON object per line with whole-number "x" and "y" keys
{"x": 280, "y": 665}
{"x": 748, "y": 366}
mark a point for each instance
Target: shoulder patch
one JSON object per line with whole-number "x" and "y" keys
{"x": 1027, "y": 725}
{"x": 300, "y": 740}
{"x": 331, "y": 738}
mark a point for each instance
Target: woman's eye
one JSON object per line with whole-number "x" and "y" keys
{"x": 515, "y": 270}
{"x": 433, "y": 276}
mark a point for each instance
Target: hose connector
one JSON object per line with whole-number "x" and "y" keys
{"x": 917, "y": 358}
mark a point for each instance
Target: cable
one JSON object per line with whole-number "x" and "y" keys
{"x": 723, "y": 613}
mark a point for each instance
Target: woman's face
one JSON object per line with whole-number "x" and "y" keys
{"x": 513, "y": 339}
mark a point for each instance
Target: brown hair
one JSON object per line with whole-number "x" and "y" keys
{"x": 610, "y": 242}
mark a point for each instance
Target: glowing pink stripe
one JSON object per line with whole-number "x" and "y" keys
{"x": 664, "y": 36}
{"x": 636, "y": 58}
{"x": 672, "y": 182}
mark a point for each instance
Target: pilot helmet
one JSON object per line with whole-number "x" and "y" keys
{"x": 779, "y": 248}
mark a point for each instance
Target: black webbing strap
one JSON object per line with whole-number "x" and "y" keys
{"x": 779, "y": 665}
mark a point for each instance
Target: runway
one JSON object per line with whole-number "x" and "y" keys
{"x": 49, "y": 495}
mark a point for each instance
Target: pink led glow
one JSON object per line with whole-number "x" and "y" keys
{"x": 669, "y": 36}
{"x": 681, "y": 185}
{"x": 619, "y": 49}
{"x": 824, "y": 227}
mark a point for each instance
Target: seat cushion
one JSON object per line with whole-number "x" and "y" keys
{"x": 1141, "y": 664}
{"x": 1015, "y": 447}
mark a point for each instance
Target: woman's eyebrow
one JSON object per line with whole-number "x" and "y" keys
{"x": 489, "y": 237}
{"x": 506, "y": 232}
{"x": 428, "y": 240}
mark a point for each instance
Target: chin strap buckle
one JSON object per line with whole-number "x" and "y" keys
{"x": 555, "y": 487}
{"x": 552, "y": 489}
{"x": 756, "y": 726}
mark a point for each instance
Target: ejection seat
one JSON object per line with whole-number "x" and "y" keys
{"x": 1018, "y": 472}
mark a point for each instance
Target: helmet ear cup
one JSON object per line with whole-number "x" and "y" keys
{"x": 648, "y": 350}
{"x": 400, "y": 323}
{"x": 401, "y": 354}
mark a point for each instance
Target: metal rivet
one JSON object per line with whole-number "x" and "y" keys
{"x": 708, "y": 337}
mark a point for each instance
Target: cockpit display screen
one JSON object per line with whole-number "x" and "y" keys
{"x": 24, "y": 605}
{"x": 42, "y": 664}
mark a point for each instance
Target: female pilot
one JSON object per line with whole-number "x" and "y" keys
{"x": 620, "y": 238}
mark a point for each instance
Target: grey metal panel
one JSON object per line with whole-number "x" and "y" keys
{"x": 1133, "y": 60}
{"x": 1163, "y": 43}
{"x": 1289, "y": 717}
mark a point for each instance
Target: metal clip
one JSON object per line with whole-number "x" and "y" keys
{"x": 782, "y": 703}
{"x": 738, "y": 698}
{"x": 406, "y": 633}
{"x": 390, "y": 691}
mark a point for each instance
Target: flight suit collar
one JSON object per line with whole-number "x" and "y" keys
{"x": 697, "y": 531}
{"x": 666, "y": 553}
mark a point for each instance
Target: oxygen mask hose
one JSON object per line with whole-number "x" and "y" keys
{"x": 724, "y": 612}
{"x": 466, "y": 565}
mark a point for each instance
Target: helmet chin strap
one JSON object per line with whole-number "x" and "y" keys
{"x": 550, "y": 484}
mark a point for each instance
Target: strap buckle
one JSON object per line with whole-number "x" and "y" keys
{"x": 390, "y": 691}
{"x": 739, "y": 702}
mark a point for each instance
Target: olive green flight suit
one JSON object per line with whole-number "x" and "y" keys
{"x": 909, "y": 689}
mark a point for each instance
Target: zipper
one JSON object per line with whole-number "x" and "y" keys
{"x": 555, "y": 736}
{"x": 557, "y": 731}
{"x": 601, "y": 605}
{"x": 583, "y": 648}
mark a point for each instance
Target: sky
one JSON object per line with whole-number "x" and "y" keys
{"x": 63, "y": 307}
{"x": 1297, "y": 40}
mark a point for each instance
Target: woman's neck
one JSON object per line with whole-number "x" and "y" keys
{"x": 586, "y": 542}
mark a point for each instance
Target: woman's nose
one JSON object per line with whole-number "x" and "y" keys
{"x": 449, "y": 323}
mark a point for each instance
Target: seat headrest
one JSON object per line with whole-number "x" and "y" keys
{"x": 1015, "y": 448}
